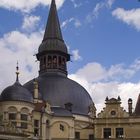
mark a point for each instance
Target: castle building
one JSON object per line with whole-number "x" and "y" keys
{"x": 54, "y": 107}
{"x": 51, "y": 106}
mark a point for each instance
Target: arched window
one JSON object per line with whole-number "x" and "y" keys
{"x": 54, "y": 61}
{"x": 24, "y": 118}
{"x": 63, "y": 61}
{"x": 49, "y": 61}
{"x": 12, "y": 113}
{"x": 60, "y": 61}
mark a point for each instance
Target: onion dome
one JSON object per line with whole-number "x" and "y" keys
{"x": 16, "y": 92}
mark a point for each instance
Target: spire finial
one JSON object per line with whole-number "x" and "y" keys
{"x": 17, "y": 73}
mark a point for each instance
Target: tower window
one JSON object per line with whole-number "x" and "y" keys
{"x": 12, "y": 116}
{"x": 63, "y": 61}
{"x": 24, "y": 118}
{"x": 60, "y": 62}
{"x": 54, "y": 61}
{"x": 107, "y": 133}
{"x": 49, "y": 60}
{"x": 119, "y": 133}
{"x": 61, "y": 127}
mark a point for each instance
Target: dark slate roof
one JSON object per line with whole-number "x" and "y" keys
{"x": 137, "y": 109}
{"x": 53, "y": 26}
{"x": 53, "y": 40}
{"x": 61, "y": 112}
{"x": 16, "y": 92}
{"x": 60, "y": 90}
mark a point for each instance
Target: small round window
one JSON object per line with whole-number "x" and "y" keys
{"x": 113, "y": 113}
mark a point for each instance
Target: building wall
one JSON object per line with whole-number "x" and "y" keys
{"x": 118, "y": 120}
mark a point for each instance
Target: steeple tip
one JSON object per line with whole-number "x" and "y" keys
{"x": 53, "y": 30}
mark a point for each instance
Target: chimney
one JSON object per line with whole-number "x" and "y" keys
{"x": 36, "y": 94}
{"x": 130, "y": 106}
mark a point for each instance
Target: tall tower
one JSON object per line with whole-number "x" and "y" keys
{"x": 52, "y": 53}
{"x": 53, "y": 84}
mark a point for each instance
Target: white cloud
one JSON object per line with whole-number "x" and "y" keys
{"x": 110, "y": 3}
{"x": 92, "y": 72}
{"x": 30, "y": 22}
{"x": 96, "y": 10}
{"x": 130, "y": 17}
{"x": 64, "y": 23}
{"x": 100, "y": 82}
{"x": 100, "y": 90}
{"x": 95, "y": 72}
{"x": 26, "y": 5}
{"x": 18, "y": 46}
{"x": 75, "y": 4}
{"x": 76, "y": 56}
{"x": 76, "y": 22}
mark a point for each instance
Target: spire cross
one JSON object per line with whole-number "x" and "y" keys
{"x": 17, "y": 73}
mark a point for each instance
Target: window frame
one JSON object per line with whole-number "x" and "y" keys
{"x": 119, "y": 133}
{"x": 107, "y": 133}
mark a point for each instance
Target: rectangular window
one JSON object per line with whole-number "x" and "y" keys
{"x": 107, "y": 133}
{"x": 77, "y": 135}
{"x": 36, "y": 132}
{"x": 12, "y": 116}
{"x": 36, "y": 123}
{"x": 119, "y": 133}
{"x": 36, "y": 128}
{"x": 91, "y": 137}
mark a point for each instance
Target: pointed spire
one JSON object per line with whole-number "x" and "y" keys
{"x": 53, "y": 53}
{"x": 53, "y": 30}
{"x": 17, "y": 73}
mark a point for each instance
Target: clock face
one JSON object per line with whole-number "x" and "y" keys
{"x": 113, "y": 113}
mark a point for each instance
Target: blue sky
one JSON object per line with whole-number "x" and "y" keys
{"x": 102, "y": 37}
